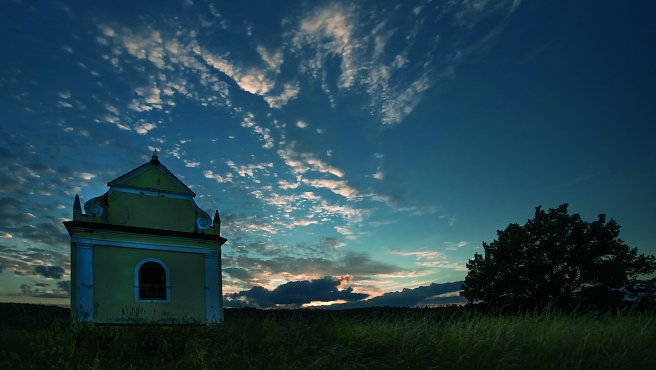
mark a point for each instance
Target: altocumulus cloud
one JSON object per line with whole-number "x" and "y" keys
{"x": 293, "y": 293}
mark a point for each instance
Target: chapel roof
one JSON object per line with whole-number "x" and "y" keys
{"x": 154, "y": 176}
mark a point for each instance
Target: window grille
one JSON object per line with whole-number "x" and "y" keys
{"x": 152, "y": 281}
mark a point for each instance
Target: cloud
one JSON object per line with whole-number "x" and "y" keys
{"x": 325, "y": 209}
{"x": 338, "y": 30}
{"x": 255, "y": 225}
{"x": 302, "y": 162}
{"x": 51, "y": 272}
{"x": 34, "y": 261}
{"x": 281, "y": 263}
{"x": 294, "y": 294}
{"x": 330, "y": 30}
{"x": 64, "y": 94}
{"x": 433, "y": 294}
{"x": 181, "y": 71}
{"x": 264, "y": 134}
{"x": 18, "y": 219}
{"x": 249, "y": 170}
{"x": 63, "y": 290}
{"x": 252, "y": 79}
{"x": 65, "y": 286}
{"x": 339, "y": 187}
{"x": 397, "y": 106}
{"x": 373, "y": 50}
{"x": 431, "y": 255}
{"x": 86, "y": 175}
{"x": 208, "y": 174}
{"x": 289, "y": 92}
{"x": 191, "y": 164}
{"x": 433, "y": 259}
{"x": 273, "y": 60}
{"x": 238, "y": 273}
{"x": 144, "y": 128}
{"x": 285, "y": 185}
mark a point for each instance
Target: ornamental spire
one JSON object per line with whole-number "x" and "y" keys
{"x": 217, "y": 222}
{"x": 77, "y": 208}
{"x": 76, "y": 204}
{"x": 154, "y": 159}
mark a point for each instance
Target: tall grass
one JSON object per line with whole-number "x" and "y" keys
{"x": 358, "y": 339}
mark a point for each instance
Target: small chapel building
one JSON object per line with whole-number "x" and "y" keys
{"x": 145, "y": 252}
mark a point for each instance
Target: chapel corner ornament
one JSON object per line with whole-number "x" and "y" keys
{"x": 144, "y": 252}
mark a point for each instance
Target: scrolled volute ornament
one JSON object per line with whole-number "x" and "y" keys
{"x": 203, "y": 222}
{"x": 95, "y": 207}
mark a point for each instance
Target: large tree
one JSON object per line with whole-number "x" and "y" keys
{"x": 555, "y": 258}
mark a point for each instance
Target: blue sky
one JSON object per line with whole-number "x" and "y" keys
{"x": 366, "y": 146}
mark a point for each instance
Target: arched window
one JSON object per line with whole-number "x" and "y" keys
{"x": 151, "y": 281}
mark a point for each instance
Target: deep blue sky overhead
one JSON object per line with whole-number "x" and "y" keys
{"x": 355, "y": 147}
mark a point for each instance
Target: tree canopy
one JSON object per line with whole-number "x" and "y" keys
{"x": 555, "y": 258}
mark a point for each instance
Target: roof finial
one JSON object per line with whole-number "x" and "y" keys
{"x": 76, "y": 204}
{"x": 154, "y": 159}
{"x": 77, "y": 208}
{"x": 217, "y": 222}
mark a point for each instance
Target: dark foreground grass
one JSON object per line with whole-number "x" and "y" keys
{"x": 355, "y": 339}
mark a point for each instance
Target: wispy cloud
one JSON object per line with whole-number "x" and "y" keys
{"x": 432, "y": 259}
{"x": 208, "y": 174}
{"x": 431, "y": 255}
{"x": 339, "y": 187}
{"x": 302, "y": 162}
{"x": 330, "y": 30}
{"x": 373, "y": 54}
{"x": 263, "y": 133}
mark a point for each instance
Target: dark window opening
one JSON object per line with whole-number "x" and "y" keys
{"x": 152, "y": 281}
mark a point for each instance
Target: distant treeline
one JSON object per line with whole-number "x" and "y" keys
{"x": 37, "y": 316}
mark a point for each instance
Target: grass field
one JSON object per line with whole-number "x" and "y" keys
{"x": 40, "y": 337}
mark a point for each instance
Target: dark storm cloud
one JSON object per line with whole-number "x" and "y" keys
{"x": 293, "y": 294}
{"x": 64, "y": 286}
{"x": 37, "y": 291}
{"x": 48, "y": 232}
{"x": 296, "y": 292}
{"x": 355, "y": 263}
{"x": 51, "y": 232}
{"x": 25, "y": 216}
{"x": 24, "y": 262}
{"x": 52, "y": 272}
{"x": 31, "y": 221}
{"x": 417, "y": 297}
{"x": 238, "y": 273}
{"x": 38, "y": 167}
{"x": 326, "y": 247}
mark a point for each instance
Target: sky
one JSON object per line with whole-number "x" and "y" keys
{"x": 355, "y": 150}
